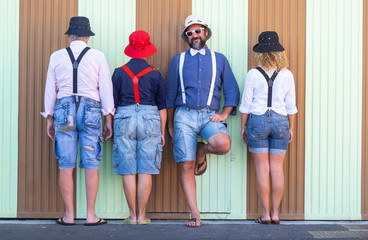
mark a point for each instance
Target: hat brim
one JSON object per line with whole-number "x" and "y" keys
{"x": 268, "y": 48}
{"x": 80, "y": 32}
{"x": 185, "y": 38}
{"x": 134, "y": 53}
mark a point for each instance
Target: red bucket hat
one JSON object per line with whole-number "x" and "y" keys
{"x": 140, "y": 45}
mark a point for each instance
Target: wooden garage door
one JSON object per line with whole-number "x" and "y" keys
{"x": 163, "y": 20}
{"x": 287, "y": 18}
{"x": 42, "y": 27}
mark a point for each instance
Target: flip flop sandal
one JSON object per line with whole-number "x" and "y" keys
{"x": 200, "y": 165}
{"x": 195, "y": 223}
{"x": 99, "y": 222}
{"x": 127, "y": 221}
{"x": 147, "y": 221}
{"x": 261, "y": 221}
{"x": 61, "y": 222}
{"x": 275, "y": 221}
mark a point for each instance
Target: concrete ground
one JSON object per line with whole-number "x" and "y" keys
{"x": 48, "y": 229}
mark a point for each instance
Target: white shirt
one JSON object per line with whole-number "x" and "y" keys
{"x": 255, "y": 93}
{"x": 94, "y": 79}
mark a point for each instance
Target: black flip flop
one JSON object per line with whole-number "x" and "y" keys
{"x": 99, "y": 222}
{"x": 195, "y": 223}
{"x": 200, "y": 165}
{"x": 61, "y": 222}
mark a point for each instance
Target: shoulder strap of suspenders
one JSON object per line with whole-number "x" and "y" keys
{"x": 75, "y": 65}
{"x": 214, "y": 67}
{"x": 269, "y": 83}
{"x": 135, "y": 79}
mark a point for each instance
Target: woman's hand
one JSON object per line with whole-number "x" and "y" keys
{"x": 163, "y": 139}
{"x": 244, "y": 136}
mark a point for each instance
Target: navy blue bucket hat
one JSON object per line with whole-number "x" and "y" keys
{"x": 79, "y": 26}
{"x": 268, "y": 42}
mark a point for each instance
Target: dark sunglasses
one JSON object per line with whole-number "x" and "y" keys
{"x": 197, "y": 31}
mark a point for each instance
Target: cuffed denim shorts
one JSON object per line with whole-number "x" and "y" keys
{"x": 188, "y": 124}
{"x": 268, "y": 133}
{"x": 73, "y": 121}
{"x": 137, "y": 140}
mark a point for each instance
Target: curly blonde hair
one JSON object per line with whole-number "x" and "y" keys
{"x": 269, "y": 60}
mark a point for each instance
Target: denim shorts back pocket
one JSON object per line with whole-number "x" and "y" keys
{"x": 121, "y": 123}
{"x": 152, "y": 125}
{"x": 158, "y": 156}
{"x": 61, "y": 114}
{"x": 92, "y": 117}
{"x": 283, "y": 131}
{"x": 256, "y": 132}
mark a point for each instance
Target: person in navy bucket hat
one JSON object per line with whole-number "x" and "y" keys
{"x": 78, "y": 92}
{"x": 79, "y": 26}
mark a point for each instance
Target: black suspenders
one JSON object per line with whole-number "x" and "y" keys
{"x": 75, "y": 66}
{"x": 269, "y": 83}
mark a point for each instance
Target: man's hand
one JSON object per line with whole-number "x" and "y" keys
{"x": 171, "y": 131}
{"x": 107, "y": 129}
{"x": 50, "y": 127}
{"x": 216, "y": 117}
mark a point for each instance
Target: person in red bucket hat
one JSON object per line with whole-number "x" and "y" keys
{"x": 139, "y": 124}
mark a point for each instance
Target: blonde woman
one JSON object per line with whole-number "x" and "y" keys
{"x": 268, "y": 112}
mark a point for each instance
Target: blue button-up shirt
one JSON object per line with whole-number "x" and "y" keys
{"x": 197, "y": 75}
{"x": 151, "y": 86}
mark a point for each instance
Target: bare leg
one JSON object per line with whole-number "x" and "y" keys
{"x": 261, "y": 161}
{"x": 143, "y": 193}
{"x": 219, "y": 143}
{"x": 92, "y": 181}
{"x": 66, "y": 184}
{"x": 188, "y": 183}
{"x": 277, "y": 179}
{"x": 130, "y": 190}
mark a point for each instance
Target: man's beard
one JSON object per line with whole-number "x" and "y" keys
{"x": 198, "y": 45}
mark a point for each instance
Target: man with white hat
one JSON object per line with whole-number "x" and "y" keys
{"x": 193, "y": 86}
{"x": 79, "y": 80}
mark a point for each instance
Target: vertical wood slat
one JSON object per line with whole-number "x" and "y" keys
{"x": 288, "y": 19}
{"x": 42, "y": 27}
{"x": 163, "y": 20}
{"x": 365, "y": 115}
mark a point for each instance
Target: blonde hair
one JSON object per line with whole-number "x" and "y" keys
{"x": 269, "y": 60}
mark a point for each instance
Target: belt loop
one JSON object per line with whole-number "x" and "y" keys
{"x": 137, "y": 107}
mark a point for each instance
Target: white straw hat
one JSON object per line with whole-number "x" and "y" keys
{"x": 191, "y": 20}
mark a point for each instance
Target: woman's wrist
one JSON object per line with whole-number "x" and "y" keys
{"x": 243, "y": 127}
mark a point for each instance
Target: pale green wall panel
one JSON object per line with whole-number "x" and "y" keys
{"x": 112, "y": 21}
{"x": 9, "y": 62}
{"x": 222, "y": 190}
{"x": 333, "y": 109}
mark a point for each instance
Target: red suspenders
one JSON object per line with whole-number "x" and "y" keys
{"x": 135, "y": 79}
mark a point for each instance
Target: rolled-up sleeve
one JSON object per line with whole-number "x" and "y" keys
{"x": 105, "y": 87}
{"x": 246, "y": 103}
{"x": 172, "y": 82}
{"x": 50, "y": 90}
{"x": 230, "y": 88}
{"x": 290, "y": 101}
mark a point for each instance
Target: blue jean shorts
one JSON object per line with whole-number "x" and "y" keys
{"x": 188, "y": 124}
{"x": 75, "y": 121}
{"x": 137, "y": 140}
{"x": 268, "y": 133}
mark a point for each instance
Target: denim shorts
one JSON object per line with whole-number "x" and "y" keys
{"x": 137, "y": 140}
{"x": 188, "y": 124}
{"x": 78, "y": 121}
{"x": 268, "y": 133}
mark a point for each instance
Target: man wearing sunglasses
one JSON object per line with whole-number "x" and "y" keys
{"x": 193, "y": 86}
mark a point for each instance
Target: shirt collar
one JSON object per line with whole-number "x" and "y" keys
{"x": 78, "y": 44}
{"x": 193, "y": 51}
